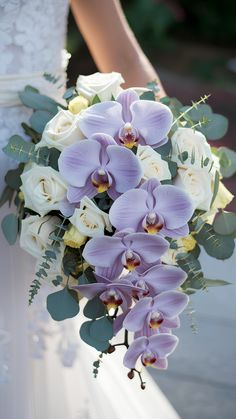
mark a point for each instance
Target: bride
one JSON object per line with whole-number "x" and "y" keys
{"x": 35, "y": 352}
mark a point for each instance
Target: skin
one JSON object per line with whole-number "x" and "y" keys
{"x": 112, "y": 43}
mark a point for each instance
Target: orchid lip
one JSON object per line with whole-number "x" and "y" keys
{"x": 155, "y": 320}
{"x": 128, "y": 135}
{"x": 148, "y": 358}
{"x": 153, "y": 223}
{"x": 112, "y": 299}
{"x": 100, "y": 180}
{"x": 131, "y": 260}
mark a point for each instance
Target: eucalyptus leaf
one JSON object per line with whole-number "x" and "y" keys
{"x": 216, "y": 128}
{"x": 62, "y": 304}
{"x": 7, "y": 196}
{"x": 96, "y": 100}
{"x": 148, "y": 96}
{"x": 13, "y": 179}
{"x": 227, "y": 161}
{"x": 216, "y": 245}
{"x": 10, "y": 227}
{"x": 225, "y": 223}
{"x": 39, "y": 119}
{"x": 191, "y": 265}
{"x": 94, "y": 308}
{"x": 90, "y": 340}
{"x": 165, "y": 149}
{"x": 69, "y": 93}
{"x": 197, "y": 113}
{"x": 35, "y": 100}
{"x": 18, "y": 149}
{"x": 101, "y": 329}
{"x": 216, "y": 187}
{"x": 216, "y": 282}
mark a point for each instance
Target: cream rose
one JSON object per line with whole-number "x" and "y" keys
{"x": 195, "y": 143}
{"x": 152, "y": 164}
{"x": 43, "y": 189}
{"x": 104, "y": 85}
{"x": 62, "y": 131}
{"x": 198, "y": 184}
{"x": 35, "y": 231}
{"x": 89, "y": 220}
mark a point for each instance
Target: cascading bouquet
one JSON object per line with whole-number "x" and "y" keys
{"x": 115, "y": 193}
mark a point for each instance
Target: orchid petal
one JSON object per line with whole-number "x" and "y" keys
{"x": 74, "y": 194}
{"x": 124, "y": 167}
{"x": 134, "y": 351}
{"x": 174, "y": 205}
{"x": 161, "y": 363}
{"x": 124, "y": 214}
{"x": 163, "y": 278}
{"x": 104, "y": 140}
{"x": 103, "y": 117}
{"x": 171, "y": 323}
{"x": 126, "y": 98}
{"x": 152, "y": 119}
{"x": 118, "y": 322}
{"x": 136, "y": 317}
{"x": 175, "y": 232}
{"x": 149, "y": 247}
{"x": 171, "y": 303}
{"x": 90, "y": 290}
{"x": 163, "y": 344}
{"x": 78, "y": 161}
{"x": 103, "y": 251}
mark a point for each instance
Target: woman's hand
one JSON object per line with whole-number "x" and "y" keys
{"x": 111, "y": 41}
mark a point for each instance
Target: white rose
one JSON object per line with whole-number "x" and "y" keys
{"x": 35, "y": 231}
{"x": 169, "y": 257}
{"x": 152, "y": 164}
{"x": 43, "y": 189}
{"x": 62, "y": 131}
{"x": 104, "y": 85}
{"x": 90, "y": 220}
{"x": 195, "y": 143}
{"x": 198, "y": 184}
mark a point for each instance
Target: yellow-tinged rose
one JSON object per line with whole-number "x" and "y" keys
{"x": 73, "y": 238}
{"x": 223, "y": 197}
{"x": 21, "y": 196}
{"x": 188, "y": 243}
{"x": 78, "y": 104}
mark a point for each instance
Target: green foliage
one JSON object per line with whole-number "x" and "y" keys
{"x": 225, "y": 223}
{"x": 94, "y": 308}
{"x": 216, "y": 245}
{"x": 34, "y": 135}
{"x": 63, "y": 304}
{"x": 51, "y": 78}
{"x": 148, "y": 96}
{"x": 39, "y": 119}
{"x": 18, "y": 149}
{"x": 90, "y": 339}
{"x": 101, "y": 329}
{"x": 216, "y": 282}
{"x": 191, "y": 265}
{"x": 212, "y": 125}
{"x": 227, "y": 161}
{"x": 95, "y": 100}
{"x": 35, "y": 100}
{"x": 13, "y": 179}
{"x": 7, "y": 196}
{"x": 216, "y": 187}
{"x": 10, "y": 227}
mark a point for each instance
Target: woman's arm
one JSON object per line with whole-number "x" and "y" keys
{"x": 111, "y": 42}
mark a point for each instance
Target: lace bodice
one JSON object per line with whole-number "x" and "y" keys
{"x": 32, "y": 35}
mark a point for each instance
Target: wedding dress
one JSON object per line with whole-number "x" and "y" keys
{"x": 45, "y": 369}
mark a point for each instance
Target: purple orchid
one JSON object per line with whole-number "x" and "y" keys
{"x": 112, "y": 293}
{"x": 157, "y": 279}
{"x": 153, "y": 351}
{"x": 124, "y": 250}
{"x": 153, "y": 311}
{"x": 153, "y": 208}
{"x": 96, "y": 165}
{"x": 129, "y": 120}
{"x": 165, "y": 326}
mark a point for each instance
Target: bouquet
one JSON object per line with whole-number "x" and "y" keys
{"x": 116, "y": 193}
